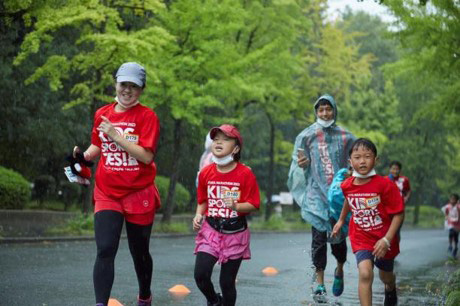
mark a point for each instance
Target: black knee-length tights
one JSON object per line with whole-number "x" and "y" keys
{"x": 107, "y": 227}
{"x": 203, "y": 270}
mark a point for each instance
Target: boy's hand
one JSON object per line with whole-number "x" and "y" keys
{"x": 197, "y": 221}
{"x": 336, "y": 229}
{"x": 381, "y": 247}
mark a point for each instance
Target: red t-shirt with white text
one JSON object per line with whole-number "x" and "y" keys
{"x": 403, "y": 184}
{"x": 213, "y": 186}
{"x": 372, "y": 206}
{"x": 119, "y": 174}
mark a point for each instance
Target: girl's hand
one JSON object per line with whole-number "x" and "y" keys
{"x": 230, "y": 203}
{"x": 336, "y": 229}
{"x": 197, "y": 221}
{"x": 381, "y": 248}
{"x": 107, "y": 128}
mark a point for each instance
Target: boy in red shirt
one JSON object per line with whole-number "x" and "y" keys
{"x": 227, "y": 192}
{"x": 377, "y": 213}
{"x": 125, "y": 136}
{"x": 452, "y": 213}
{"x": 400, "y": 180}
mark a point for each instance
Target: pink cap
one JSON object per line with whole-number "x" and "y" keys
{"x": 228, "y": 130}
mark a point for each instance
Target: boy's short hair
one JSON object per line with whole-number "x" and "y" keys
{"x": 322, "y": 102}
{"x": 397, "y": 163}
{"x": 455, "y": 196}
{"x": 364, "y": 142}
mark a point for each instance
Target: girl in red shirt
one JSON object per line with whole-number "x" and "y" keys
{"x": 377, "y": 213}
{"x": 227, "y": 192}
{"x": 125, "y": 135}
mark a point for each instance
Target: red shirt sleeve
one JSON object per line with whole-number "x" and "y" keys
{"x": 391, "y": 196}
{"x": 250, "y": 192}
{"x": 149, "y": 132}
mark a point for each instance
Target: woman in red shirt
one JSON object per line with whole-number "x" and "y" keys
{"x": 125, "y": 135}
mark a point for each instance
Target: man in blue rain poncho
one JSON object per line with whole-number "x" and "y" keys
{"x": 319, "y": 152}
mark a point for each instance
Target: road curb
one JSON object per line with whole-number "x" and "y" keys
{"x": 12, "y": 240}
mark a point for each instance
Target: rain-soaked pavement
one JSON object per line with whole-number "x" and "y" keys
{"x": 60, "y": 273}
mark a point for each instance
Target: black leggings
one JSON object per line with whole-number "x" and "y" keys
{"x": 453, "y": 236}
{"x": 107, "y": 228}
{"x": 319, "y": 249}
{"x": 203, "y": 270}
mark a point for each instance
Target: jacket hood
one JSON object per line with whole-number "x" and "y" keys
{"x": 333, "y": 104}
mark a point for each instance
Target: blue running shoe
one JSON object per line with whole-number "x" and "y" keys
{"x": 320, "y": 294}
{"x": 337, "y": 286}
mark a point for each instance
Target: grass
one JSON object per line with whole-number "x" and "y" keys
{"x": 80, "y": 225}
{"x": 53, "y": 205}
{"x": 173, "y": 227}
{"x": 451, "y": 289}
{"x": 429, "y": 217}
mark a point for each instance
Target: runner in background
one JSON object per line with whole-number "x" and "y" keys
{"x": 320, "y": 151}
{"x": 401, "y": 181}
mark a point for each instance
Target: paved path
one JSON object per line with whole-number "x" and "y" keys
{"x": 61, "y": 273}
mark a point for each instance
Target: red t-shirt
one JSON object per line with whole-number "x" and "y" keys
{"x": 213, "y": 186}
{"x": 372, "y": 206}
{"x": 452, "y": 212}
{"x": 403, "y": 184}
{"x": 119, "y": 174}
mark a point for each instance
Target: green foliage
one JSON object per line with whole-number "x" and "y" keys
{"x": 429, "y": 216}
{"x": 452, "y": 286}
{"x": 453, "y": 298}
{"x": 14, "y": 189}
{"x": 182, "y": 196}
{"x": 81, "y": 225}
{"x": 173, "y": 227}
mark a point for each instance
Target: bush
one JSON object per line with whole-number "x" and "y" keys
{"x": 44, "y": 186}
{"x": 181, "y": 196}
{"x": 14, "y": 189}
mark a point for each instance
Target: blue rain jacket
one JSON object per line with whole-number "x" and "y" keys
{"x": 327, "y": 149}
{"x": 335, "y": 198}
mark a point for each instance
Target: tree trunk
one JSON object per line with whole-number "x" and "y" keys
{"x": 420, "y": 180}
{"x": 271, "y": 165}
{"x": 169, "y": 207}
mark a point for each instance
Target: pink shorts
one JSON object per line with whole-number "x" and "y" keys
{"x": 223, "y": 246}
{"x": 137, "y": 207}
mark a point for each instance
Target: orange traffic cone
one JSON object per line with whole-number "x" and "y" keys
{"x": 114, "y": 302}
{"x": 270, "y": 271}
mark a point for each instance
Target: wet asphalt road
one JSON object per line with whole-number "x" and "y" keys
{"x": 61, "y": 273}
